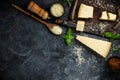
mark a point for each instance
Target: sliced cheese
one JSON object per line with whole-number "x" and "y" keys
{"x": 85, "y": 11}
{"x": 80, "y": 26}
{"x": 104, "y": 15}
{"x": 112, "y": 16}
{"x": 99, "y": 46}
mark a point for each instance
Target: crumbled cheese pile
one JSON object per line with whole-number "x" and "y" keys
{"x": 77, "y": 52}
{"x": 101, "y": 4}
{"x": 101, "y": 26}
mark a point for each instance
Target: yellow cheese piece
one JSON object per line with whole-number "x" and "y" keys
{"x": 112, "y": 16}
{"x": 85, "y": 11}
{"x": 99, "y": 46}
{"x": 80, "y": 26}
{"x": 104, "y": 16}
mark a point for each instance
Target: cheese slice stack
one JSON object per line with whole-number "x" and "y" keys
{"x": 99, "y": 46}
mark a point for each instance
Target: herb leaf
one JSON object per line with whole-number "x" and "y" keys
{"x": 108, "y": 34}
{"x": 68, "y": 2}
{"x": 112, "y": 36}
{"x": 68, "y": 37}
{"x": 115, "y": 48}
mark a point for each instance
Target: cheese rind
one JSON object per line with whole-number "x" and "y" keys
{"x": 112, "y": 16}
{"x": 85, "y": 11}
{"x": 80, "y": 26}
{"x": 99, "y": 46}
{"x": 104, "y": 15}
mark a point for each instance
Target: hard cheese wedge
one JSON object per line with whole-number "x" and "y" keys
{"x": 85, "y": 11}
{"x": 99, "y": 46}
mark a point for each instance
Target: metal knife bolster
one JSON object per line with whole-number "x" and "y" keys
{"x": 70, "y": 24}
{"x": 66, "y": 23}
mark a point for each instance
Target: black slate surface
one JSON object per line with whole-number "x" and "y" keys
{"x": 28, "y": 51}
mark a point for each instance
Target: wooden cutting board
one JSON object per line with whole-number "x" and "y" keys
{"x": 94, "y": 25}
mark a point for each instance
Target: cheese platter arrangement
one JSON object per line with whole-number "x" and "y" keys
{"x": 61, "y": 40}
{"x": 97, "y": 18}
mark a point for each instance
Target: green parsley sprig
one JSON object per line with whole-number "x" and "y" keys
{"x": 112, "y": 36}
{"x": 115, "y": 48}
{"x": 68, "y": 37}
{"x": 68, "y": 2}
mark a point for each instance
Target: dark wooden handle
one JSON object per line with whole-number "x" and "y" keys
{"x": 72, "y": 16}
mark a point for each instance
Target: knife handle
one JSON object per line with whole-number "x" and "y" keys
{"x": 66, "y": 23}
{"x": 59, "y": 21}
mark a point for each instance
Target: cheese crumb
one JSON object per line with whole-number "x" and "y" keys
{"x": 77, "y": 51}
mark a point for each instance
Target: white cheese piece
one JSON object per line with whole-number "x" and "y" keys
{"x": 99, "y": 46}
{"x": 80, "y": 26}
{"x": 112, "y": 16}
{"x": 104, "y": 16}
{"x": 85, "y": 11}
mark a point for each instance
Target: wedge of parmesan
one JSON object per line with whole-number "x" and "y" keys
{"x": 112, "y": 16}
{"x": 99, "y": 46}
{"x": 85, "y": 11}
{"x": 104, "y": 15}
{"x": 80, "y": 26}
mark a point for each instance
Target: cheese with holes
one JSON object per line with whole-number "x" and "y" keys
{"x": 112, "y": 16}
{"x": 80, "y": 26}
{"x": 99, "y": 46}
{"x": 104, "y": 15}
{"x": 85, "y": 11}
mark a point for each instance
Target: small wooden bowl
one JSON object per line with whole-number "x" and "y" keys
{"x": 113, "y": 63}
{"x": 57, "y": 3}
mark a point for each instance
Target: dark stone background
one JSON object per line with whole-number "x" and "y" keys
{"x": 28, "y": 51}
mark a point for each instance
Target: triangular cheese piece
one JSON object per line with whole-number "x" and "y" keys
{"x": 104, "y": 16}
{"x": 99, "y": 46}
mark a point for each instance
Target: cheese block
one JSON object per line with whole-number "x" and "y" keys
{"x": 99, "y": 46}
{"x": 85, "y": 11}
{"x": 104, "y": 15}
{"x": 112, "y": 16}
{"x": 80, "y": 25}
